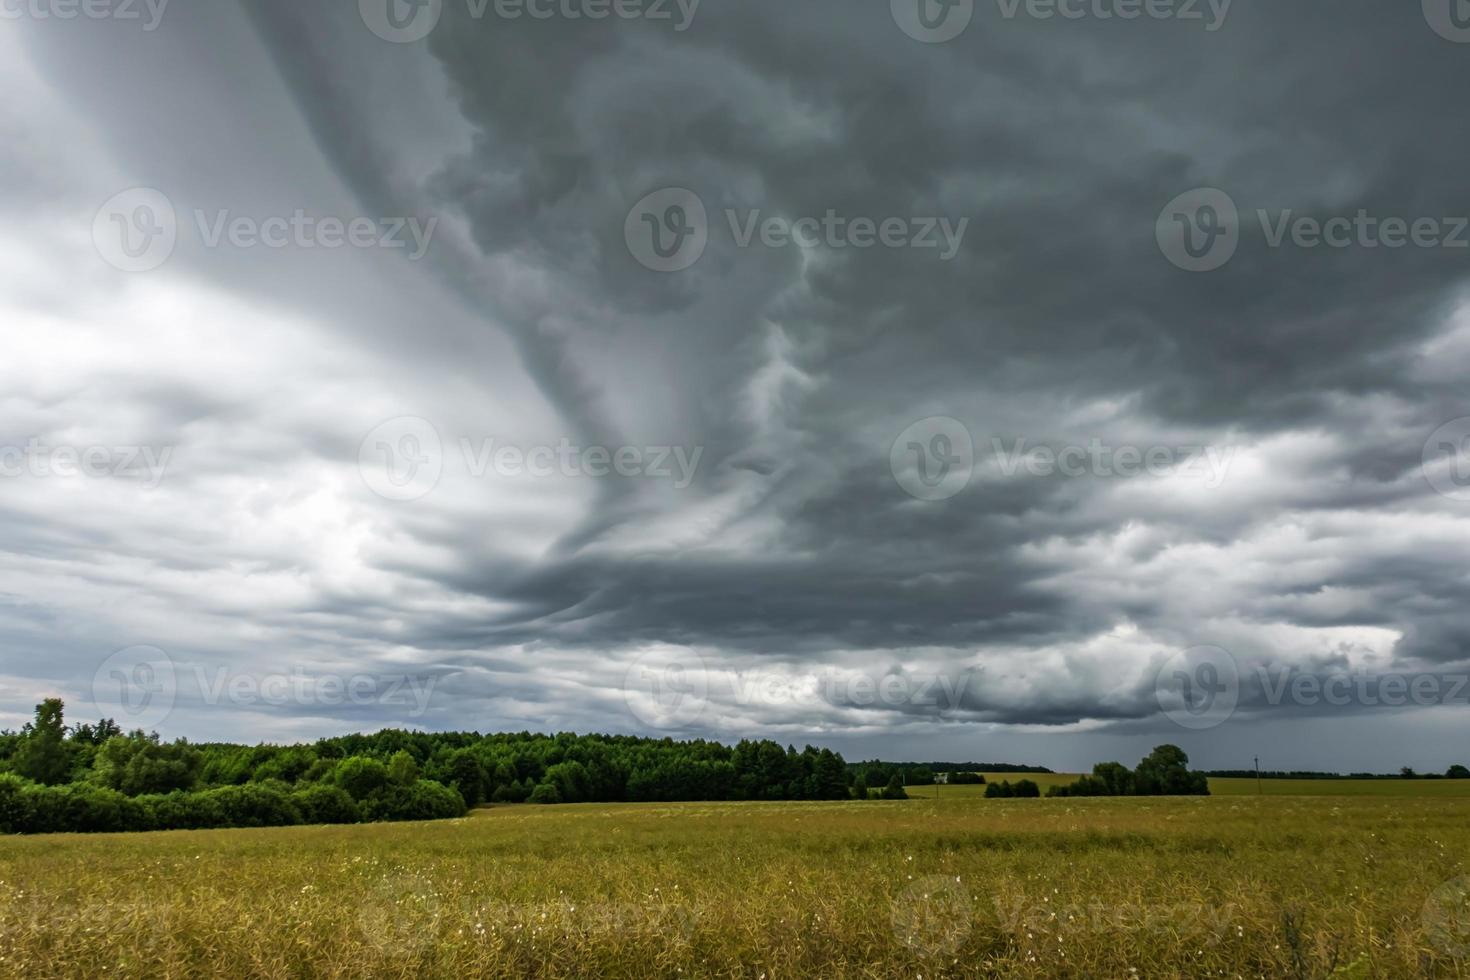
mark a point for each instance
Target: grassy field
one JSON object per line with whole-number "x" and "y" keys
{"x": 1431, "y": 788}
{"x": 1200, "y": 887}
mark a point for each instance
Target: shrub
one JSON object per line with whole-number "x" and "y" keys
{"x": 185, "y": 811}
{"x": 12, "y": 804}
{"x": 326, "y": 804}
{"x": 424, "y": 800}
{"x": 361, "y": 777}
{"x": 255, "y": 805}
{"x": 545, "y": 793}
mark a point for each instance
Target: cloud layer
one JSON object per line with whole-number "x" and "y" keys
{"x": 576, "y": 492}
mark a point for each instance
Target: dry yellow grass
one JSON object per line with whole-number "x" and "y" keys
{"x": 1221, "y": 886}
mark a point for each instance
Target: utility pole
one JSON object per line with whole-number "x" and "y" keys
{"x": 1258, "y": 775}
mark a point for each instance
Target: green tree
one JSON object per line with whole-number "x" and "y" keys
{"x": 545, "y": 793}
{"x": 402, "y": 769}
{"x": 894, "y": 790}
{"x": 361, "y": 777}
{"x": 1165, "y": 772}
{"x": 1457, "y": 771}
{"x": 467, "y": 776}
{"x": 138, "y": 763}
{"x": 1117, "y": 777}
{"x": 42, "y": 754}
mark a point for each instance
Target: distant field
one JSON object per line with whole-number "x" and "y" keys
{"x": 1434, "y": 788}
{"x": 1221, "y": 886}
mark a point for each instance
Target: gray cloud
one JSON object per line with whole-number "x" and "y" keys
{"x": 1318, "y": 373}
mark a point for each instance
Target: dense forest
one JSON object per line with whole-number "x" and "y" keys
{"x": 98, "y": 778}
{"x": 95, "y": 777}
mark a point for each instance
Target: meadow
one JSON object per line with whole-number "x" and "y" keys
{"x": 1220, "y": 886}
{"x": 1233, "y": 786}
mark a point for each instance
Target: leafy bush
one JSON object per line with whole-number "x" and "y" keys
{"x": 255, "y": 805}
{"x": 361, "y": 777}
{"x": 185, "y": 811}
{"x": 326, "y": 804}
{"x": 545, "y": 793}
{"x": 424, "y": 800}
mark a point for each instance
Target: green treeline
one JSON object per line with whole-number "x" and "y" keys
{"x": 1163, "y": 772}
{"x": 98, "y": 778}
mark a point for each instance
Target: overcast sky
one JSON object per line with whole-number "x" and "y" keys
{"x": 924, "y": 381}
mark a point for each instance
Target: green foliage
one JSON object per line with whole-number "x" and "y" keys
{"x": 894, "y": 790}
{"x": 1006, "y": 789}
{"x": 1457, "y": 771}
{"x": 361, "y": 776}
{"x": 136, "y": 764}
{"x": 921, "y": 776}
{"x": 402, "y": 769}
{"x": 42, "y": 754}
{"x": 180, "y": 785}
{"x": 1163, "y": 772}
{"x": 321, "y": 804}
{"x": 468, "y": 776}
{"x": 546, "y": 793}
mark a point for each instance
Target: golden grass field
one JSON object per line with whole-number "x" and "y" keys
{"x": 1224, "y": 886}
{"x": 1433, "y": 788}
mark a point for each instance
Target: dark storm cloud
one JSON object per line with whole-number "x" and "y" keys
{"x": 1060, "y": 142}
{"x": 1315, "y": 373}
